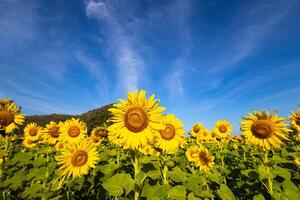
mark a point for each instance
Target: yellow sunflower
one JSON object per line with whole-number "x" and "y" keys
{"x": 295, "y": 120}
{"x": 169, "y": 138}
{"x": 204, "y": 136}
{"x": 235, "y": 146}
{"x": 223, "y": 128}
{"x": 73, "y": 131}
{"x": 100, "y": 132}
{"x": 51, "y": 133}
{"x": 148, "y": 150}
{"x": 10, "y": 116}
{"x": 95, "y": 140}
{"x": 60, "y": 145}
{"x": 192, "y": 153}
{"x": 297, "y": 161}
{"x": 263, "y": 129}
{"x": 33, "y": 132}
{"x": 135, "y": 120}
{"x": 205, "y": 161}
{"x": 5, "y": 101}
{"x": 196, "y": 129}
{"x": 29, "y": 143}
{"x": 77, "y": 159}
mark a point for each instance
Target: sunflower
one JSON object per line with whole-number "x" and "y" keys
{"x": 77, "y": 158}
{"x": 95, "y": 140}
{"x": 51, "y": 133}
{"x": 135, "y": 120}
{"x": 33, "y": 132}
{"x": 235, "y": 146}
{"x": 192, "y": 153}
{"x": 4, "y": 102}
{"x": 170, "y": 138}
{"x": 73, "y": 131}
{"x": 297, "y": 161}
{"x": 205, "y": 161}
{"x": 60, "y": 146}
{"x": 263, "y": 129}
{"x": 10, "y": 116}
{"x": 100, "y": 132}
{"x": 28, "y": 143}
{"x": 223, "y": 128}
{"x": 204, "y": 136}
{"x": 148, "y": 150}
{"x": 295, "y": 120}
{"x": 196, "y": 129}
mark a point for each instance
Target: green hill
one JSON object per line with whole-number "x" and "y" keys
{"x": 92, "y": 118}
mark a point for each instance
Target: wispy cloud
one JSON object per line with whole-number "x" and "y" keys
{"x": 129, "y": 63}
{"x": 252, "y": 25}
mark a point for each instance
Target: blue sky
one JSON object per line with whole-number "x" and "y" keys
{"x": 205, "y": 60}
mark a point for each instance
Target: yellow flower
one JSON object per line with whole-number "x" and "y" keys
{"x": 60, "y": 145}
{"x": 77, "y": 159}
{"x": 297, "y": 161}
{"x": 192, "y": 153}
{"x": 148, "y": 150}
{"x": 73, "y": 131}
{"x": 95, "y": 140}
{"x": 51, "y": 133}
{"x": 28, "y": 143}
{"x": 196, "y": 129}
{"x": 223, "y": 128}
{"x": 170, "y": 138}
{"x": 263, "y": 129}
{"x": 205, "y": 161}
{"x": 100, "y": 132}
{"x": 295, "y": 120}
{"x": 235, "y": 146}
{"x": 200, "y": 157}
{"x": 33, "y": 132}
{"x": 10, "y": 116}
{"x": 204, "y": 136}
{"x": 135, "y": 120}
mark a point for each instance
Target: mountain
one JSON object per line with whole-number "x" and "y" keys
{"x": 92, "y": 118}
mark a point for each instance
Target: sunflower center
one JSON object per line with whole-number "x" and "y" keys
{"x": 136, "y": 119}
{"x": 297, "y": 121}
{"x": 6, "y": 118}
{"x": 74, "y": 131}
{"x": 79, "y": 158}
{"x": 168, "y": 133}
{"x": 204, "y": 158}
{"x": 54, "y": 132}
{"x": 96, "y": 140}
{"x": 196, "y": 129}
{"x": 33, "y": 131}
{"x": 61, "y": 146}
{"x": 222, "y": 129}
{"x": 262, "y": 129}
{"x": 213, "y": 134}
{"x": 29, "y": 142}
{"x": 101, "y": 132}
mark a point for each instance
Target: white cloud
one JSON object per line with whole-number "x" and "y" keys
{"x": 130, "y": 64}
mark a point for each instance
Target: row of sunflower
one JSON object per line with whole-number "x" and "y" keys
{"x": 144, "y": 150}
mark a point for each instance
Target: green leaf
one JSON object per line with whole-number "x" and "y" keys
{"x": 265, "y": 172}
{"x": 117, "y": 183}
{"x": 259, "y": 197}
{"x": 284, "y": 173}
{"x": 225, "y": 193}
{"x": 140, "y": 177}
{"x": 177, "y": 192}
{"x": 39, "y": 161}
{"x": 177, "y": 175}
{"x": 154, "y": 174}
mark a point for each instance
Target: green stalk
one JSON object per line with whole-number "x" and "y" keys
{"x": 270, "y": 180}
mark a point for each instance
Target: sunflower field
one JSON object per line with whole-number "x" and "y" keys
{"x": 142, "y": 153}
